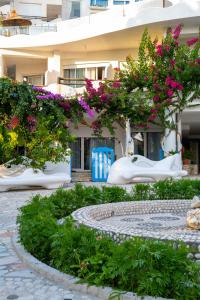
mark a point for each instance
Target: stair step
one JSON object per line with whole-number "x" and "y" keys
{"x": 81, "y": 176}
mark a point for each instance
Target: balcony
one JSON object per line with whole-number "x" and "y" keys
{"x": 29, "y": 30}
{"x": 99, "y": 3}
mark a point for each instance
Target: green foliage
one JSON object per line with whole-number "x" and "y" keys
{"x": 31, "y": 124}
{"x": 143, "y": 266}
{"x": 167, "y": 72}
{"x": 168, "y": 189}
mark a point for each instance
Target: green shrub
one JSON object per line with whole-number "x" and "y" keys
{"x": 167, "y": 189}
{"x": 144, "y": 266}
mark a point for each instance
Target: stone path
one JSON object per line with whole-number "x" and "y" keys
{"x": 16, "y": 280}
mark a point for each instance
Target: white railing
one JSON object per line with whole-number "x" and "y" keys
{"x": 29, "y": 30}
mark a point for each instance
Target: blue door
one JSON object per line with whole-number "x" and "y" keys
{"x": 102, "y": 159}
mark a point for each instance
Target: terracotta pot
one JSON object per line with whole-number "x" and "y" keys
{"x": 186, "y": 161}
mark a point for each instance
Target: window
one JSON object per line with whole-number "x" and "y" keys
{"x": 150, "y": 146}
{"x": 34, "y": 79}
{"x": 75, "y": 10}
{"x": 11, "y": 72}
{"x": 76, "y": 154}
{"x": 154, "y": 150}
{"x": 75, "y": 73}
{"x": 94, "y": 73}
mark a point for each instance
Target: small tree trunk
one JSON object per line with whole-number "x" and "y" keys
{"x": 129, "y": 140}
{"x": 169, "y": 144}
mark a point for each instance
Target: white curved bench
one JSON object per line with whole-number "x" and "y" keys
{"x": 125, "y": 169}
{"x": 54, "y": 176}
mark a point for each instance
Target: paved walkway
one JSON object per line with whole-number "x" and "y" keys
{"x": 16, "y": 280}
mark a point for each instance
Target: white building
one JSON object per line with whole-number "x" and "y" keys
{"x": 92, "y": 46}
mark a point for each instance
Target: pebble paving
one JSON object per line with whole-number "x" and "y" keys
{"x": 16, "y": 280}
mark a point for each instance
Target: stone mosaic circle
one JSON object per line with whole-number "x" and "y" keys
{"x": 162, "y": 219}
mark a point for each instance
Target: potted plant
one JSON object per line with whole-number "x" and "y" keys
{"x": 187, "y": 157}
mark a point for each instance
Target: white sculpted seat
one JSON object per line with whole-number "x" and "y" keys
{"x": 125, "y": 169}
{"x": 55, "y": 175}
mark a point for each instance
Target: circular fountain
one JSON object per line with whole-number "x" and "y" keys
{"x": 163, "y": 219}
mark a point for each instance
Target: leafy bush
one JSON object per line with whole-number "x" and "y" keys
{"x": 168, "y": 189}
{"x": 143, "y": 266}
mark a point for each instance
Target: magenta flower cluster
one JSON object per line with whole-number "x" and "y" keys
{"x": 46, "y": 95}
{"x": 192, "y": 41}
{"x": 173, "y": 84}
{"x": 49, "y": 96}
{"x": 86, "y": 107}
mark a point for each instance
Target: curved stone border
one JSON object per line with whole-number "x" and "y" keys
{"x": 68, "y": 281}
{"x": 93, "y": 216}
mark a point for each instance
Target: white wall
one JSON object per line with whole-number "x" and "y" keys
{"x": 35, "y": 8}
{"x": 25, "y": 66}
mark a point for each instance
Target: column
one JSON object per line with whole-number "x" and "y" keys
{"x": 84, "y": 8}
{"x": 129, "y": 140}
{"x": 66, "y": 9}
{"x": 1, "y": 66}
{"x": 169, "y": 143}
{"x": 54, "y": 69}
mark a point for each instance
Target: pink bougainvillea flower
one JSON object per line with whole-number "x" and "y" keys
{"x": 146, "y": 78}
{"x": 177, "y": 32}
{"x": 153, "y": 110}
{"x": 156, "y": 98}
{"x": 173, "y": 84}
{"x": 179, "y": 87}
{"x": 192, "y": 41}
{"x": 173, "y": 62}
{"x": 167, "y": 48}
{"x": 156, "y": 86}
{"x": 86, "y": 107}
{"x": 116, "y": 84}
{"x": 168, "y": 81}
{"x": 170, "y": 93}
{"x": 152, "y": 117}
{"x": 91, "y": 113}
{"x": 158, "y": 105}
{"x": 65, "y": 105}
{"x": 104, "y": 97}
{"x": 198, "y": 60}
{"x": 159, "y": 50}
{"x": 89, "y": 83}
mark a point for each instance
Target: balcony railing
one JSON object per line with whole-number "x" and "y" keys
{"x": 99, "y": 3}
{"x": 29, "y": 30}
{"x": 73, "y": 82}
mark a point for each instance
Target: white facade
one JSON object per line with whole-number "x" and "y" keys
{"x": 92, "y": 46}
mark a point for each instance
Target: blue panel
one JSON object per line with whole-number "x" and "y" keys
{"x": 161, "y": 154}
{"x": 102, "y": 159}
{"x": 118, "y": 2}
{"x": 100, "y": 3}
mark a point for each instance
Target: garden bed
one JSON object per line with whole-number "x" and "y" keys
{"x": 145, "y": 267}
